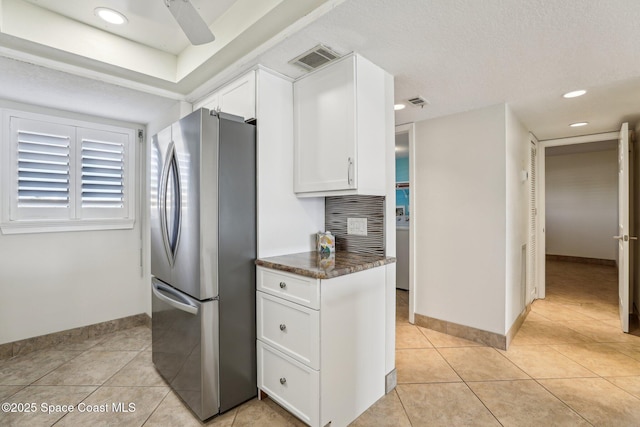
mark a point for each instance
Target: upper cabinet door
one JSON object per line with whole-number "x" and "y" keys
{"x": 343, "y": 115}
{"x": 239, "y": 96}
{"x": 211, "y": 102}
{"x": 325, "y": 129}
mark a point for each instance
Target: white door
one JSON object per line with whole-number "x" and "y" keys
{"x": 623, "y": 226}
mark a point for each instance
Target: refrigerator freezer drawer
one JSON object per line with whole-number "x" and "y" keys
{"x": 184, "y": 350}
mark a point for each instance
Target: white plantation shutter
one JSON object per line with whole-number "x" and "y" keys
{"x": 43, "y": 176}
{"x": 63, "y": 176}
{"x": 43, "y": 170}
{"x": 103, "y": 173}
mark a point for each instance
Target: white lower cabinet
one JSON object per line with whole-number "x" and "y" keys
{"x": 291, "y": 328}
{"x": 291, "y": 287}
{"x": 290, "y": 383}
{"x": 323, "y": 360}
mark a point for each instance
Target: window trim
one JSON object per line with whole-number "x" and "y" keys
{"x": 19, "y": 226}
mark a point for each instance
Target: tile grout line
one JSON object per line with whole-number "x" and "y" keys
{"x": 117, "y": 372}
{"x": 469, "y": 388}
{"x": 235, "y": 416}
{"x": 156, "y": 407}
{"x": 563, "y": 402}
{"x": 99, "y": 386}
{"x": 53, "y": 369}
{"x": 84, "y": 399}
{"x": 483, "y": 404}
{"x": 578, "y": 362}
{"x": 620, "y": 388}
{"x": 402, "y": 404}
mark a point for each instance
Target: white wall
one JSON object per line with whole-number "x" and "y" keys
{"x": 581, "y": 204}
{"x": 517, "y": 204}
{"x": 51, "y": 282}
{"x": 286, "y": 224}
{"x": 460, "y": 194}
{"x": 472, "y": 222}
{"x": 390, "y": 227}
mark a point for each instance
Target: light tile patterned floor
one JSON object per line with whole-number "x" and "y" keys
{"x": 568, "y": 365}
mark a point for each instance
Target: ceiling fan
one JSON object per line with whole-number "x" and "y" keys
{"x": 190, "y": 21}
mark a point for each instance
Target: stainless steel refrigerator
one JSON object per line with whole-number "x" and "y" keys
{"x": 203, "y": 247}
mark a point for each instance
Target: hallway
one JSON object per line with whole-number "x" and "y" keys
{"x": 568, "y": 365}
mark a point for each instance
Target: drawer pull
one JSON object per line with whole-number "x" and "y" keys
{"x": 283, "y": 327}
{"x": 283, "y": 381}
{"x": 283, "y": 285}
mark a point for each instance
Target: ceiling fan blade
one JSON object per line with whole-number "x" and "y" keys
{"x": 190, "y": 21}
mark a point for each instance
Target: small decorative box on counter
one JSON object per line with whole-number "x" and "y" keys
{"x": 326, "y": 242}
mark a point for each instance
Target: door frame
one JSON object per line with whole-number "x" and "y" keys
{"x": 541, "y": 194}
{"x": 409, "y": 129}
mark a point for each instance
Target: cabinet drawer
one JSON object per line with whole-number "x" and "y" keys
{"x": 298, "y": 289}
{"x": 290, "y": 328}
{"x": 290, "y": 383}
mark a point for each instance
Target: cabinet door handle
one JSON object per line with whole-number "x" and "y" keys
{"x": 283, "y": 327}
{"x": 349, "y": 167}
{"x": 283, "y": 285}
{"x": 283, "y": 380}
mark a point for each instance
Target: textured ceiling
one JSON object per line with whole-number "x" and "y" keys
{"x": 464, "y": 54}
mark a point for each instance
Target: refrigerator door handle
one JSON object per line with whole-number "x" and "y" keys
{"x": 170, "y": 181}
{"x": 184, "y": 304}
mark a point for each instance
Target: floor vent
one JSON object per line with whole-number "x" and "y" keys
{"x": 315, "y": 58}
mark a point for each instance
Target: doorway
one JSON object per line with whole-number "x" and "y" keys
{"x": 405, "y": 210}
{"x": 578, "y": 202}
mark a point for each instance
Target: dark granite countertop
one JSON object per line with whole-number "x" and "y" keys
{"x": 312, "y": 264}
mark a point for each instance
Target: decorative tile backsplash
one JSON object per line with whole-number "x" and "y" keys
{"x": 339, "y": 208}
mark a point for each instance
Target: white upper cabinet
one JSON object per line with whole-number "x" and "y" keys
{"x": 340, "y": 117}
{"x": 237, "y": 97}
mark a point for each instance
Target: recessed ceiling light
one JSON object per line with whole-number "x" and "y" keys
{"x": 575, "y": 93}
{"x": 578, "y": 124}
{"x": 109, "y": 15}
{"x": 399, "y": 107}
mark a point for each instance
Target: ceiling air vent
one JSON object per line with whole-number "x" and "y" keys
{"x": 315, "y": 58}
{"x": 418, "y": 101}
